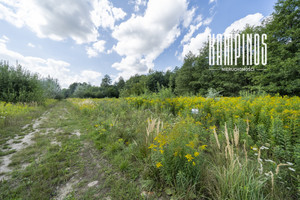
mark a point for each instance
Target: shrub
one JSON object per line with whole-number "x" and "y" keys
{"x": 18, "y": 85}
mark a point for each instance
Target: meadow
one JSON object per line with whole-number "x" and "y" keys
{"x": 201, "y": 148}
{"x": 177, "y": 148}
{"x": 153, "y": 147}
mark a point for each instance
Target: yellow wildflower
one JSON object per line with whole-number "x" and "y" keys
{"x": 199, "y": 123}
{"x": 203, "y": 147}
{"x": 152, "y": 146}
{"x": 161, "y": 151}
{"x": 194, "y": 163}
{"x": 191, "y": 144}
{"x": 158, "y": 164}
{"x": 189, "y": 157}
{"x": 196, "y": 154}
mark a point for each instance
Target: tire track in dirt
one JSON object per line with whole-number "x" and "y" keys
{"x": 89, "y": 176}
{"x": 18, "y": 143}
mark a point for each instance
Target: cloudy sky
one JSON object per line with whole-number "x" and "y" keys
{"x": 82, "y": 40}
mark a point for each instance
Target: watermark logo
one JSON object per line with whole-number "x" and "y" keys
{"x": 237, "y": 49}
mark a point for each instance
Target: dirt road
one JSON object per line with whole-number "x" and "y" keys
{"x": 52, "y": 158}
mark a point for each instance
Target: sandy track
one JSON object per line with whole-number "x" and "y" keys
{"x": 21, "y": 144}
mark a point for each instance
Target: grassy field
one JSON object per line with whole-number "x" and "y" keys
{"x": 230, "y": 148}
{"x": 153, "y": 148}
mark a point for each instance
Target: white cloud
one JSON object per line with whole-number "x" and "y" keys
{"x": 191, "y": 43}
{"x": 212, "y": 9}
{"x": 138, "y": 4}
{"x": 196, "y": 43}
{"x": 105, "y": 15}
{"x": 91, "y": 52}
{"x": 188, "y": 17}
{"x": 31, "y": 45}
{"x": 90, "y": 75}
{"x": 55, "y": 68}
{"x": 189, "y": 35}
{"x": 141, "y": 39}
{"x": 96, "y": 48}
{"x": 4, "y": 39}
{"x": 207, "y": 21}
{"x": 59, "y": 20}
{"x": 251, "y": 20}
{"x": 169, "y": 68}
{"x": 109, "y": 51}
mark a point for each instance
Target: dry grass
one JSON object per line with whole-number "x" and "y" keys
{"x": 228, "y": 148}
{"x": 279, "y": 165}
{"x": 245, "y": 151}
{"x": 153, "y": 129}
{"x": 217, "y": 140}
{"x": 248, "y": 127}
{"x": 232, "y": 170}
{"x": 236, "y": 135}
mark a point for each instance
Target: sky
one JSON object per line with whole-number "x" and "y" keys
{"x": 83, "y": 40}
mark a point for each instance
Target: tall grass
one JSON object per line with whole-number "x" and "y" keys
{"x": 232, "y": 175}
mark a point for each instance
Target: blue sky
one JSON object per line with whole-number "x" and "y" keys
{"x": 82, "y": 40}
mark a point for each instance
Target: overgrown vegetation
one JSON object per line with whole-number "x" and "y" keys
{"x": 228, "y": 149}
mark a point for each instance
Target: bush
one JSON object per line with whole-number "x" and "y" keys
{"x": 18, "y": 85}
